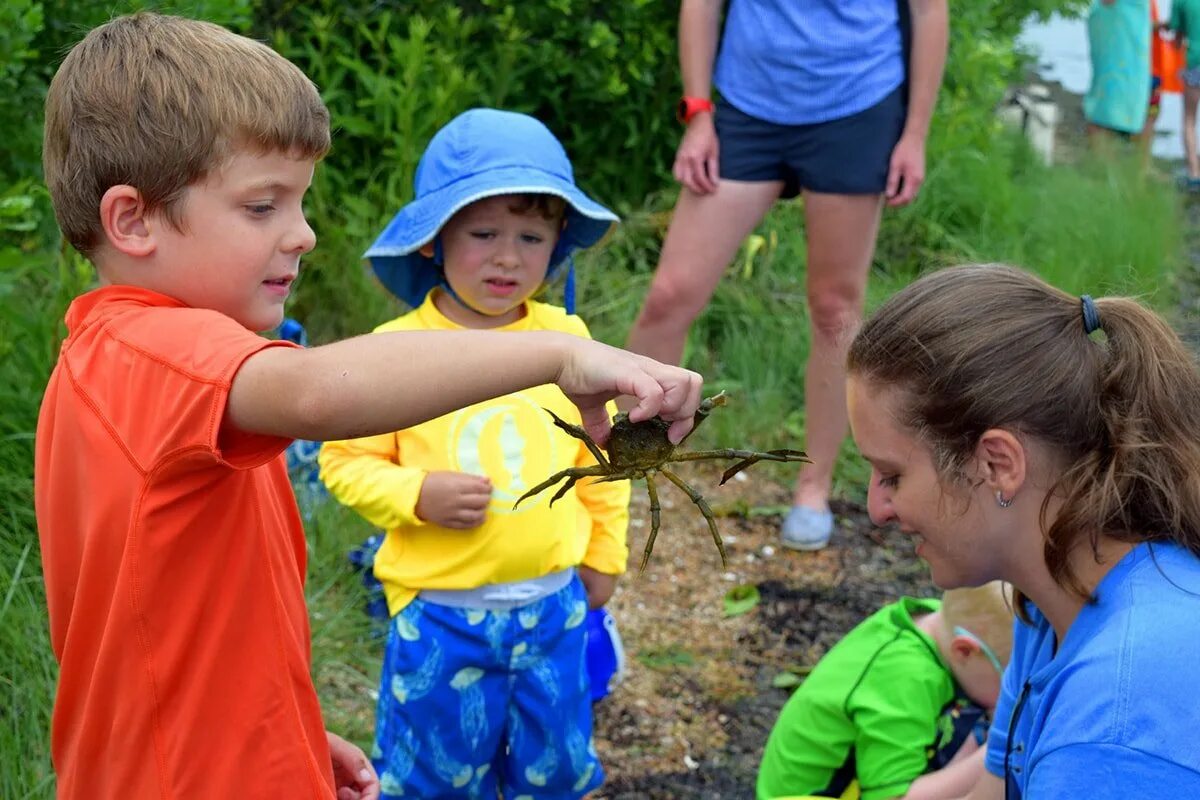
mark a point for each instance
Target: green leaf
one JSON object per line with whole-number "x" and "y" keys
{"x": 741, "y": 599}
{"x": 786, "y": 680}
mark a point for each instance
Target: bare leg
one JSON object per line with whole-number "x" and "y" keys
{"x": 841, "y": 242}
{"x": 1191, "y": 97}
{"x": 704, "y": 236}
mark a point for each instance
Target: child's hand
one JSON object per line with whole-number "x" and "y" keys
{"x": 600, "y": 586}
{"x": 454, "y": 499}
{"x": 352, "y": 772}
{"x": 594, "y": 373}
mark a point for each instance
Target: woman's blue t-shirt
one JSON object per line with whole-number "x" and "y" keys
{"x": 1112, "y": 714}
{"x": 797, "y": 63}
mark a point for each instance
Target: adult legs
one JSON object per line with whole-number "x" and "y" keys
{"x": 1191, "y": 98}
{"x": 841, "y": 232}
{"x": 704, "y": 236}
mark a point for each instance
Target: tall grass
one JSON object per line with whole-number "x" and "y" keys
{"x": 35, "y": 289}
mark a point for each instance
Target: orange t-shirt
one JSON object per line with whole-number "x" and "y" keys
{"x": 174, "y": 561}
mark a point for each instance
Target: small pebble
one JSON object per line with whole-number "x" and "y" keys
{"x": 729, "y": 576}
{"x": 690, "y": 762}
{"x": 768, "y": 551}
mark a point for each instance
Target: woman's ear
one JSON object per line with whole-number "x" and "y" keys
{"x": 426, "y": 249}
{"x": 1001, "y": 460}
{"x": 123, "y": 217}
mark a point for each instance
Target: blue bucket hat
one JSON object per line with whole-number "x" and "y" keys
{"x": 482, "y": 153}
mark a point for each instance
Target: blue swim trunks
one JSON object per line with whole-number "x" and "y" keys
{"x": 476, "y": 701}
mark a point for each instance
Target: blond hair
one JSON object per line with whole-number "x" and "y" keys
{"x": 984, "y": 611}
{"x": 158, "y": 102}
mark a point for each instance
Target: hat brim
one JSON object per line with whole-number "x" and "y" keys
{"x": 409, "y": 275}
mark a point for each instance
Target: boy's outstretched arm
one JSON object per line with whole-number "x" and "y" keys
{"x": 384, "y": 382}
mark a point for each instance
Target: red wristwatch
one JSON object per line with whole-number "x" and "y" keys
{"x": 691, "y": 106}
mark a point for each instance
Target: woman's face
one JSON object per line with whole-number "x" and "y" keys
{"x": 951, "y": 524}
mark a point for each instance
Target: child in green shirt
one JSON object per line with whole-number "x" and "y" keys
{"x": 893, "y": 700}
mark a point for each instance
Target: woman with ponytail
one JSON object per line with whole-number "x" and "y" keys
{"x": 1020, "y": 433}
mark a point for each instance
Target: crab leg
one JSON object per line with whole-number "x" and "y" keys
{"x": 572, "y": 474}
{"x": 701, "y": 504}
{"x": 654, "y": 519}
{"x": 748, "y": 457}
{"x": 582, "y": 435}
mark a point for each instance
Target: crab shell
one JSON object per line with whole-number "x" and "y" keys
{"x": 639, "y": 444}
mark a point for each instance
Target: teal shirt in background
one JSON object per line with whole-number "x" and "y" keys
{"x": 1119, "y": 40}
{"x": 1185, "y": 21}
{"x": 877, "y": 694}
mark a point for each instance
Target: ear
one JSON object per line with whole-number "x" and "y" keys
{"x": 427, "y": 249}
{"x": 1000, "y": 458}
{"x": 123, "y": 216}
{"x": 963, "y": 647}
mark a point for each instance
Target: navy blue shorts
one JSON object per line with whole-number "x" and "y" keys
{"x": 842, "y": 156}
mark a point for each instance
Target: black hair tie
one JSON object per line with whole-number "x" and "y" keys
{"x": 1091, "y": 315}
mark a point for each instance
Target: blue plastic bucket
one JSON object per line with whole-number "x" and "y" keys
{"x": 605, "y": 653}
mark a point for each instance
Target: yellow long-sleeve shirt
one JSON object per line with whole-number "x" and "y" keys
{"x": 512, "y": 441}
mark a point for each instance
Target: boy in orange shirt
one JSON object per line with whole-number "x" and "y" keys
{"x": 177, "y": 156}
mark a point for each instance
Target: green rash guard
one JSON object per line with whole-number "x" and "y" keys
{"x": 1185, "y": 21}
{"x": 871, "y": 704}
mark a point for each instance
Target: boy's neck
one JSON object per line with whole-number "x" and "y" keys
{"x": 931, "y": 624}
{"x": 454, "y": 310}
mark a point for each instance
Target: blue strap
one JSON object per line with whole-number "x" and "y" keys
{"x": 569, "y": 286}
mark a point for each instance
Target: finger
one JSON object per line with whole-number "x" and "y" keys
{"x": 649, "y": 394}
{"x": 704, "y": 179}
{"x": 679, "y": 430}
{"x": 596, "y": 423}
{"x": 681, "y": 397}
{"x": 475, "y": 503}
{"x": 908, "y": 191}
{"x": 688, "y": 178}
{"x": 713, "y": 167}
{"x": 893, "y": 180}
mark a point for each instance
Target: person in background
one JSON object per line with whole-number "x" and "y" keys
{"x": 1185, "y": 23}
{"x": 817, "y": 99}
{"x": 1118, "y": 97}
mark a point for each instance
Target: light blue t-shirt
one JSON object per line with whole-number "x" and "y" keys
{"x": 1113, "y": 715}
{"x": 796, "y": 62}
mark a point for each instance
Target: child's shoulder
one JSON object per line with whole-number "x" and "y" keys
{"x": 409, "y": 321}
{"x": 548, "y": 316}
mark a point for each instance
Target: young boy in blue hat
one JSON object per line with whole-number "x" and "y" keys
{"x": 484, "y": 686}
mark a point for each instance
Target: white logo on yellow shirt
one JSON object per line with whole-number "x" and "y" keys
{"x": 513, "y": 441}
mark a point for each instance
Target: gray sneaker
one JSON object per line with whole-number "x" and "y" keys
{"x": 806, "y": 528}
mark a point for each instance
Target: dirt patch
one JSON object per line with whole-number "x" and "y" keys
{"x": 692, "y": 716}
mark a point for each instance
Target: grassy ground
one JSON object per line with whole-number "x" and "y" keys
{"x": 1093, "y": 228}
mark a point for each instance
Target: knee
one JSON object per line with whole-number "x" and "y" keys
{"x": 672, "y": 299}
{"x": 834, "y": 315}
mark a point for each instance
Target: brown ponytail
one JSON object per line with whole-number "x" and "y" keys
{"x": 992, "y": 346}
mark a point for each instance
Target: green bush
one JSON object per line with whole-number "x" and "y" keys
{"x": 603, "y": 76}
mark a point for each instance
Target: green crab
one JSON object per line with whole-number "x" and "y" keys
{"x": 640, "y": 449}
